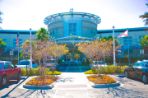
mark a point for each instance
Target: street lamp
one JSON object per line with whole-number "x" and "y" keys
{"x": 30, "y": 48}
{"x": 114, "y": 54}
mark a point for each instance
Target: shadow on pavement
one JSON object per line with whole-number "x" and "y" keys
{"x": 121, "y": 92}
{"x": 36, "y": 93}
{"x": 11, "y": 83}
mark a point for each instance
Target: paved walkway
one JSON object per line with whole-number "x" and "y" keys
{"x": 76, "y": 85}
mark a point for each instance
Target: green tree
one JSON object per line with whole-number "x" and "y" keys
{"x": 145, "y": 16}
{"x": 2, "y": 45}
{"x": 144, "y": 41}
{"x": 42, "y": 34}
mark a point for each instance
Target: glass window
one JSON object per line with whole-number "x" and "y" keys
{"x": 8, "y": 65}
{"x": 5, "y": 40}
{"x": 24, "y": 63}
{"x": 137, "y": 64}
{"x": 1, "y": 65}
{"x": 72, "y": 28}
{"x": 127, "y": 40}
{"x": 141, "y": 36}
{"x": 146, "y": 64}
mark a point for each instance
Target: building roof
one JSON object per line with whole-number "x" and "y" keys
{"x": 53, "y": 17}
{"x": 99, "y": 31}
{"x": 123, "y": 29}
{"x": 17, "y": 31}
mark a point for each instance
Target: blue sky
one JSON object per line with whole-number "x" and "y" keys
{"x": 25, "y": 14}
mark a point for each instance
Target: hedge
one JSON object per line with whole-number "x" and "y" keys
{"x": 107, "y": 70}
{"x": 35, "y": 71}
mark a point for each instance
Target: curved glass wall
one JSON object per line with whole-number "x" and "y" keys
{"x": 72, "y": 24}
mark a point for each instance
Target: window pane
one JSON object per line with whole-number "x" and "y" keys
{"x": 1, "y": 66}
{"x": 146, "y": 64}
{"x": 24, "y": 63}
{"x": 72, "y": 28}
{"x": 6, "y": 66}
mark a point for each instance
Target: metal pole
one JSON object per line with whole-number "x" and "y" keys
{"x": 18, "y": 47}
{"x": 114, "y": 54}
{"x": 128, "y": 55}
{"x": 30, "y": 48}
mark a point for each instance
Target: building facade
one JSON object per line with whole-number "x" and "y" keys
{"x": 70, "y": 27}
{"x": 10, "y": 37}
{"x": 131, "y": 42}
{"x": 130, "y": 45}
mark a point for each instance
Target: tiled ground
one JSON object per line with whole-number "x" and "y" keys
{"x": 76, "y": 85}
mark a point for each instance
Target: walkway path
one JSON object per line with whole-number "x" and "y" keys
{"x": 71, "y": 85}
{"x": 76, "y": 85}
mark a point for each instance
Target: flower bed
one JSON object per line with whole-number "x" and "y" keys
{"x": 101, "y": 79}
{"x": 42, "y": 80}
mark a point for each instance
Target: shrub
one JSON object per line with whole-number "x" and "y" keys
{"x": 89, "y": 72}
{"x": 23, "y": 72}
{"x": 107, "y": 70}
{"x": 35, "y": 71}
{"x": 53, "y": 73}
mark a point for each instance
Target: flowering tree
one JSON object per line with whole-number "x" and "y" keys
{"x": 96, "y": 50}
{"x": 25, "y": 49}
{"x": 57, "y": 50}
{"x": 41, "y": 50}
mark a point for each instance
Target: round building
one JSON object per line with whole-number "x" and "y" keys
{"x": 68, "y": 24}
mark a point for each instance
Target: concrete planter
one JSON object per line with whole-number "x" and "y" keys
{"x": 106, "y": 85}
{"x": 45, "y": 87}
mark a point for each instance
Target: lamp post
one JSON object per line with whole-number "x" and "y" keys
{"x": 114, "y": 54}
{"x": 128, "y": 54}
{"x": 30, "y": 48}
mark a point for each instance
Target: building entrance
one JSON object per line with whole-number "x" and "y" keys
{"x": 74, "y": 61}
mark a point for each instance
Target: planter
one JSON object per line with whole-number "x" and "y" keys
{"x": 103, "y": 81}
{"x": 40, "y": 82}
{"x": 106, "y": 85}
{"x": 45, "y": 87}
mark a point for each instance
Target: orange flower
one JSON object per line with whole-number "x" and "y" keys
{"x": 101, "y": 79}
{"x": 42, "y": 80}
